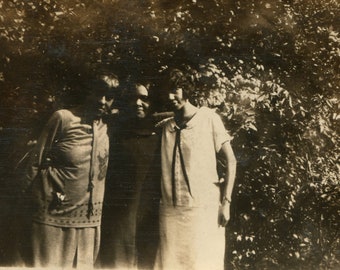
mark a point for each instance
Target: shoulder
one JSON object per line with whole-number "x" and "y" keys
{"x": 210, "y": 117}
{"x": 55, "y": 118}
{"x": 65, "y": 114}
{"x": 60, "y": 118}
{"x": 165, "y": 123}
{"x": 207, "y": 113}
{"x": 61, "y": 114}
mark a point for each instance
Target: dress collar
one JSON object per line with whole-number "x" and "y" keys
{"x": 188, "y": 125}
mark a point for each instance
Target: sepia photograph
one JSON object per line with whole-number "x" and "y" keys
{"x": 170, "y": 134}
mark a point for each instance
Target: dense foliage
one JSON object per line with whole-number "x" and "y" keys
{"x": 270, "y": 68}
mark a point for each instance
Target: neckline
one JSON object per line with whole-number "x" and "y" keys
{"x": 188, "y": 124}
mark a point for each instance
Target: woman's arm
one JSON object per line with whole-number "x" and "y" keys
{"x": 230, "y": 173}
{"x": 39, "y": 155}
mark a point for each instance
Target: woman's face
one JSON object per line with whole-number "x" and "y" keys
{"x": 140, "y": 101}
{"x": 99, "y": 101}
{"x": 177, "y": 101}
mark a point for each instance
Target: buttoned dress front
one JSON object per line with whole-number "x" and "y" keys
{"x": 190, "y": 237}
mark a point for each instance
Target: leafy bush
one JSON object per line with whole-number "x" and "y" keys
{"x": 286, "y": 200}
{"x": 270, "y": 68}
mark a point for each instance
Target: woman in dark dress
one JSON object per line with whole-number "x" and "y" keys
{"x": 130, "y": 218}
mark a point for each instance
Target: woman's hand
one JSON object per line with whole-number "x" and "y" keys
{"x": 224, "y": 213}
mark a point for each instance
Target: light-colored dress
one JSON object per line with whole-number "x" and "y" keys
{"x": 190, "y": 237}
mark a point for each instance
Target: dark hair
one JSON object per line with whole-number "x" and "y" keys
{"x": 177, "y": 79}
{"x": 76, "y": 93}
{"x": 96, "y": 85}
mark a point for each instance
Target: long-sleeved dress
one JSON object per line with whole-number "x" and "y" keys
{"x": 70, "y": 159}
